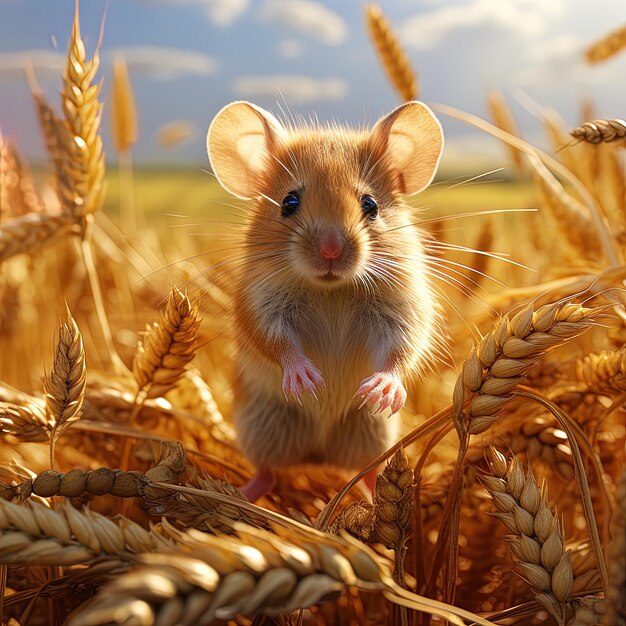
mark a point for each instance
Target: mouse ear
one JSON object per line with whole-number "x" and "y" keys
{"x": 239, "y": 141}
{"x": 409, "y": 141}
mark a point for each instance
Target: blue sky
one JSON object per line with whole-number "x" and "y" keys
{"x": 188, "y": 58}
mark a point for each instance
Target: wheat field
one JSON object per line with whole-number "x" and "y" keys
{"x": 504, "y": 502}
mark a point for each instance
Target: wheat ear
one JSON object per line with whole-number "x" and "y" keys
{"x": 599, "y": 131}
{"x": 65, "y": 385}
{"x": 503, "y": 118}
{"x": 570, "y": 215}
{"x": 168, "y": 467}
{"x": 30, "y": 233}
{"x": 83, "y": 112}
{"x": 603, "y": 371}
{"x": 216, "y": 577}
{"x": 167, "y": 346}
{"x": 123, "y": 111}
{"x": 391, "y": 55}
{"x": 537, "y": 541}
{"x": 25, "y": 422}
{"x": 499, "y": 363}
{"x": 35, "y": 534}
{"x": 17, "y": 189}
{"x": 124, "y": 133}
{"x": 607, "y": 47}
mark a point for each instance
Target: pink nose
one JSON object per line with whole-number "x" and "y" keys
{"x": 331, "y": 245}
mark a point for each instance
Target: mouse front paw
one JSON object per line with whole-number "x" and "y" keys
{"x": 301, "y": 374}
{"x": 382, "y": 390}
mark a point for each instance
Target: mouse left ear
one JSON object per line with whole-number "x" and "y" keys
{"x": 409, "y": 141}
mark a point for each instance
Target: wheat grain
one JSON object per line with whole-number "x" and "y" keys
{"x": 607, "y": 47}
{"x": 599, "y": 131}
{"x": 537, "y": 541}
{"x": 503, "y": 357}
{"x": 30, "y": 233}
{"x": 392, "y": 57}
{"x": 123, "y": 112}
{"x": 167, "y": 346}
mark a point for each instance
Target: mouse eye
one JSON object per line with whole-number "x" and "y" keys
{"x": 290, "y": 204}
{"x": 369, "y": 206}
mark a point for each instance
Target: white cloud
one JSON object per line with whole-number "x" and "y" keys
{"x": 166, "y": 63}
{"x": 308, "y": 18}
{"x": 526, "y": 18}
{"x": 290, "y": 48}
{"x": 294, "y": 89}
{"x": 559, "y": 59}
{"x": 44, "y": 62}
{"x": 219, "y": 12}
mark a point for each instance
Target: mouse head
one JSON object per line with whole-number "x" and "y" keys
{"x": 327, "y": 200}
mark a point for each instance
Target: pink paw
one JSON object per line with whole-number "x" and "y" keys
{"x": 382, "y": 390}
{"x": 300, "y": 374}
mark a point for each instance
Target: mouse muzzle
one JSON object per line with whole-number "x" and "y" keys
{"x": 331, "y": 244}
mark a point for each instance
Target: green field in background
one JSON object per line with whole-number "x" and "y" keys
{"x": 194, "y": 193}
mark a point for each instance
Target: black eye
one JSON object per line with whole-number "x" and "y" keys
{"x": 369, "y": 206}
{"x": 290, "y": 204}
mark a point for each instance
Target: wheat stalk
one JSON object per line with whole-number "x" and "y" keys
{"x": 616, "y": 555}
{"x": 607, "y": 47}
{"x": 390, "y": 53}
{"x": 163, "y": 353}
{"x": 503, "y": 357}
{"x": 167, "y": 346}
{"x": 599, "y": 131}
{"x": 29, "y": 233}
{"x": 537, "y": 541}
{"x": 64, "y": 386}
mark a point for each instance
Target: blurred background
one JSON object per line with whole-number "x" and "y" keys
{"x": 188, "y": 58}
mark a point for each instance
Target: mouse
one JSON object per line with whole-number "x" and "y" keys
{"x": 334, "y": 307}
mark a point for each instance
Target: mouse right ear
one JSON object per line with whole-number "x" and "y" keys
{"x": 240, "y": 139}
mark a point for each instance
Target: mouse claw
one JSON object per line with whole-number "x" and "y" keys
{"x": 301, "y": 375}
{"x": 381, "y": 391}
